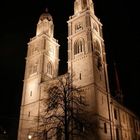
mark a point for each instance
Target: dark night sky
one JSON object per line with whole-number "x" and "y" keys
{"x": 121, "y": 29}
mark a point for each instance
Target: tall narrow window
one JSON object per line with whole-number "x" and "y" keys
{"x": 115, "y": 113}
{"x": 105, "y": 128}
{"x": 79, "y": 46}
{"x": 97, "y": 48}
{"x": 117, "y": 134}
{"x": 102, "y": 99}
{"x": 80, "y": 76}
{"x": 99, "y": 63}
{"x": 59, "y": 133}
{"x": 30, "y": 93}
{"x": 29, "y": 113}
{"x": 49, "y": 68}
{"x": 97, "y": 51}
{"x": 45, "y": 136}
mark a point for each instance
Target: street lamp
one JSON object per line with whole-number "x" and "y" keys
{"x": 29, "y": 137}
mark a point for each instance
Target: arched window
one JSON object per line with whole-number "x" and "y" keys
{"x": 49, "y": 68}
{"x": 79, "y": 46}
{"x": 97, "y": 51}
{"x": 99, "y": 63}
{"x": 97, "y": 48}
{"x": 84, "y": 4}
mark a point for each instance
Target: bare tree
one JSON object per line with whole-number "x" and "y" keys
{"x": 63, "y": 116}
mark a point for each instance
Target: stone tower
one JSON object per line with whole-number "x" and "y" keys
{"x": 42, "y": 63}
{"x": 88, "y": 67}
{"x": 87, "y": 62}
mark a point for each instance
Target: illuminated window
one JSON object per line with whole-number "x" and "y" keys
{"x": 49, "y": 68}
{"x": 79, "y": 46}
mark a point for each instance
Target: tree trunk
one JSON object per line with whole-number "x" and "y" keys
{"x": 66, "y": 121}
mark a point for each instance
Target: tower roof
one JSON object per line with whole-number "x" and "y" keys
{"x": 46, "y": 15}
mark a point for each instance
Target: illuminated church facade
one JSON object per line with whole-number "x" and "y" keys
{"x": 87, "y": 61}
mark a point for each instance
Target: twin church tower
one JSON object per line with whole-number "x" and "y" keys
{"x": 86, "y": 60}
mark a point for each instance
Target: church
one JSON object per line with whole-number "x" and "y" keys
{"x": 87, "y": 62}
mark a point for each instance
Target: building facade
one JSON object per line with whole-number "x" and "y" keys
{"x": 87, "y": 62}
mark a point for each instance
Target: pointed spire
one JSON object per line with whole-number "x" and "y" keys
{"x": 46, "y": 10}
{"x": 46, "y": 15}
{"x": 118, "y": 90}
{"x": 117, "y": 78}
